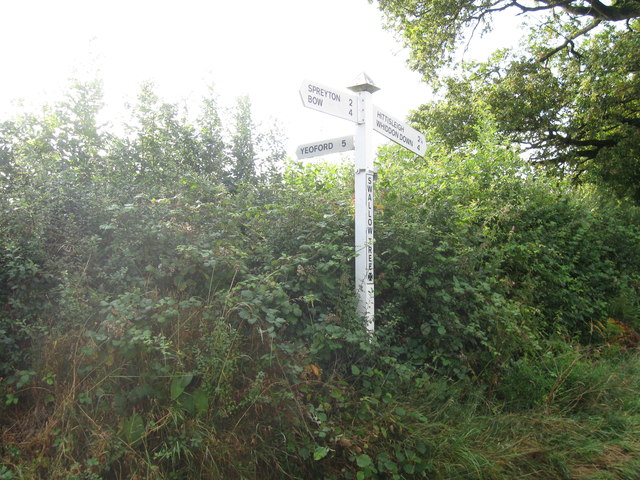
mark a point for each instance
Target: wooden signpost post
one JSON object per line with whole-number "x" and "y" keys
{"x": 359, "y": 109}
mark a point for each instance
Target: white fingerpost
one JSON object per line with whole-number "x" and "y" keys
{"x": 364, "y": 181}
{"x": 359, "y": 109}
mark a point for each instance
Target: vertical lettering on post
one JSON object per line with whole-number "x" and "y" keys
{"x": 369, "y": 235}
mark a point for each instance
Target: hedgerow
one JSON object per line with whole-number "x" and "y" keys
{"x": 174, "y": 305}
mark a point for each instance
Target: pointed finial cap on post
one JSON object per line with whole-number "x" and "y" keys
{"x": 363, "y": 83}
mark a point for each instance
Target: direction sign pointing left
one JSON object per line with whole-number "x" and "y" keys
{"x": 329, "y": 100}
{"x": 325, "y": 147}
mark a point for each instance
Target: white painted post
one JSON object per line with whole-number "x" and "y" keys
{"x": 364, "y": 180}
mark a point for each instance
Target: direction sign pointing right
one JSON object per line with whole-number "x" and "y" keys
{"x": 329, "y": 100}
{"x": 398, "y": 131}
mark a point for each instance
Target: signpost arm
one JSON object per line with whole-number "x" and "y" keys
{"x": 364, "y": 179}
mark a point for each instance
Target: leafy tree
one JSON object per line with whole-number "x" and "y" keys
{"x": 243, "y": 155}
{"x": 162, "y": 144}
{"x": 571, "y": 99}
{"x": 434, "y": 28}
{"x": 210, "y": 137}
{"x": 252, "y": 157}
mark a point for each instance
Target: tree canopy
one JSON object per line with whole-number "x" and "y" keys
{"x": 570, "y": 96}
{"x": 434, "y": 28}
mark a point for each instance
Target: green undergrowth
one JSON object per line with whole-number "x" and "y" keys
{"x": 276, "y": 416}
{"x": 583, "y": 424}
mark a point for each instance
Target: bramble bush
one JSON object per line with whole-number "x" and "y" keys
{"x": 480, "y": 259}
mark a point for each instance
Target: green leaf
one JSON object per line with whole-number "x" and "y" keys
{"x": 320, "y": 452}
{"x": 409, "y": 468}
{"x": 178, "y": 384}
{"x": 355, "y": 370}
{"x": 364, "y": 460}
{"x": 133, "y": 429}
{"x": 201, "y": 400}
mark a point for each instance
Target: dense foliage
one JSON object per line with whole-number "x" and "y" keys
{"x": 434, "y": 29}
{"x": 174, "y": 303}
{"x": 568, "y": 96}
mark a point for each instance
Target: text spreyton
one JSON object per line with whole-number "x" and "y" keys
{"x": 329, "y": 100}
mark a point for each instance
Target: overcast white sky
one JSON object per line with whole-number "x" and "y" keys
{"x": 263, "y": 49}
